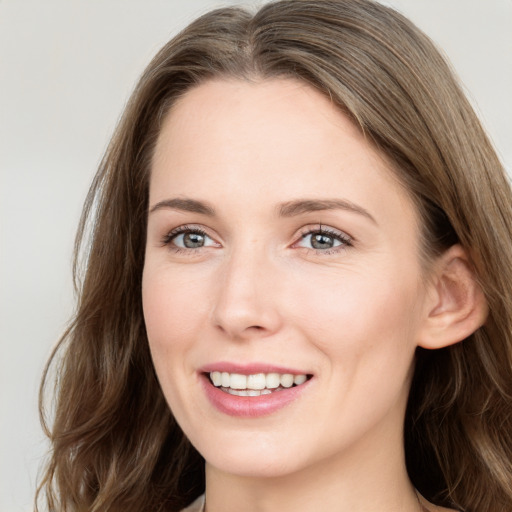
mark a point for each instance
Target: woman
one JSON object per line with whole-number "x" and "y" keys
{"x": 296, "y": 290}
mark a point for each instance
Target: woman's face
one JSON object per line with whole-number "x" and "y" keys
{"x": 280, "y": 249}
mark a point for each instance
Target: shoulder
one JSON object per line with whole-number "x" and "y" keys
{"x": 196, "y": 506}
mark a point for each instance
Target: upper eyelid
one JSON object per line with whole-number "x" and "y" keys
{"x": 325, "y": 228}
{"x": 192, "y": 228}
{"x": 184, "y": 228}
{"x": 301, "y": 233}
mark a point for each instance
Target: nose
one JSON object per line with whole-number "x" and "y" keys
{"x": 246, "y": 305}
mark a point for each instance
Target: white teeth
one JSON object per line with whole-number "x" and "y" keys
{"x": 258, "y": 382}
{"x": 272, "y": 380}
{"x": 216, "y": 378}
{"x": 248, "y": 392}
{"x": 299, "y": 379}
{"x": 237, "y": 381}
{"x": 287, "y": 380}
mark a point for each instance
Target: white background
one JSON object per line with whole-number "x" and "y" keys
{"x": 66, "y": 70}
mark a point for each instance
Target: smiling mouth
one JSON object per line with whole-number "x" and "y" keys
{"x": 256, "y": 384}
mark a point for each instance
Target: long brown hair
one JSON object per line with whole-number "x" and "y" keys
{"x": 115, "y": 444}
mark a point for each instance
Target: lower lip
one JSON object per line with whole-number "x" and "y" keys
{"x": 251, "y": 406}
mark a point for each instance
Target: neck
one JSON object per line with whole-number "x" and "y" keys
{"x": 378, "y": 481}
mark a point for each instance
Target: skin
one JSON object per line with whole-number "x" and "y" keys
{"x": 257, "y": 291}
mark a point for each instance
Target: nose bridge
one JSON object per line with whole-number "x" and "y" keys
{"x": 245, "y": 303}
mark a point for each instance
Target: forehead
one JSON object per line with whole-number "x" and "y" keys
{"x": 268, "y": 141}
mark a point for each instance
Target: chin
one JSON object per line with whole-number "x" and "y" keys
{"x": 252, "y": 458}
{"x": 255, "y": 468}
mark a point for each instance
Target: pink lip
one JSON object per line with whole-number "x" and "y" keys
{"x": 247, "y": 369}
{"x": 250, "y": 406}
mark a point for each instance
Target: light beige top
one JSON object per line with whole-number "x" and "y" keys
{"x": 196, "y": 506}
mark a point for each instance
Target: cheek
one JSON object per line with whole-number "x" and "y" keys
{"x": 173, "y": 313}
{"x": 353, "y": 313}
{"x": 173, "y": 307}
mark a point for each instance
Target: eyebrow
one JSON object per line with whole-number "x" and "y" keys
{"x": 300, "y": 206}
{"x": 288, "y": 209}
{"x": 186, "y": 205}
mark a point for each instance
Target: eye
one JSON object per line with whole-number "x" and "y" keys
{"x": 186, "y": 237}
{"x": 324, "y": 240}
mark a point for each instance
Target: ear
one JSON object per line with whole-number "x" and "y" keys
{"x": 456, "y": 305}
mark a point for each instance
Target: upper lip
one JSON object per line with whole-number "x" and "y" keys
{"x": 249, "y": 368}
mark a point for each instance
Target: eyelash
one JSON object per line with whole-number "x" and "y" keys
{"x": 345, "y": 240}
{"x": 181, "y": 230}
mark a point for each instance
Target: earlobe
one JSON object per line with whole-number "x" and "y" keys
{"x": 456, "y": 307}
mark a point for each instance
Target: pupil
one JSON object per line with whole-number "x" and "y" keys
{"x": 193, "y": 240}
{"x": 319, "y": 241}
